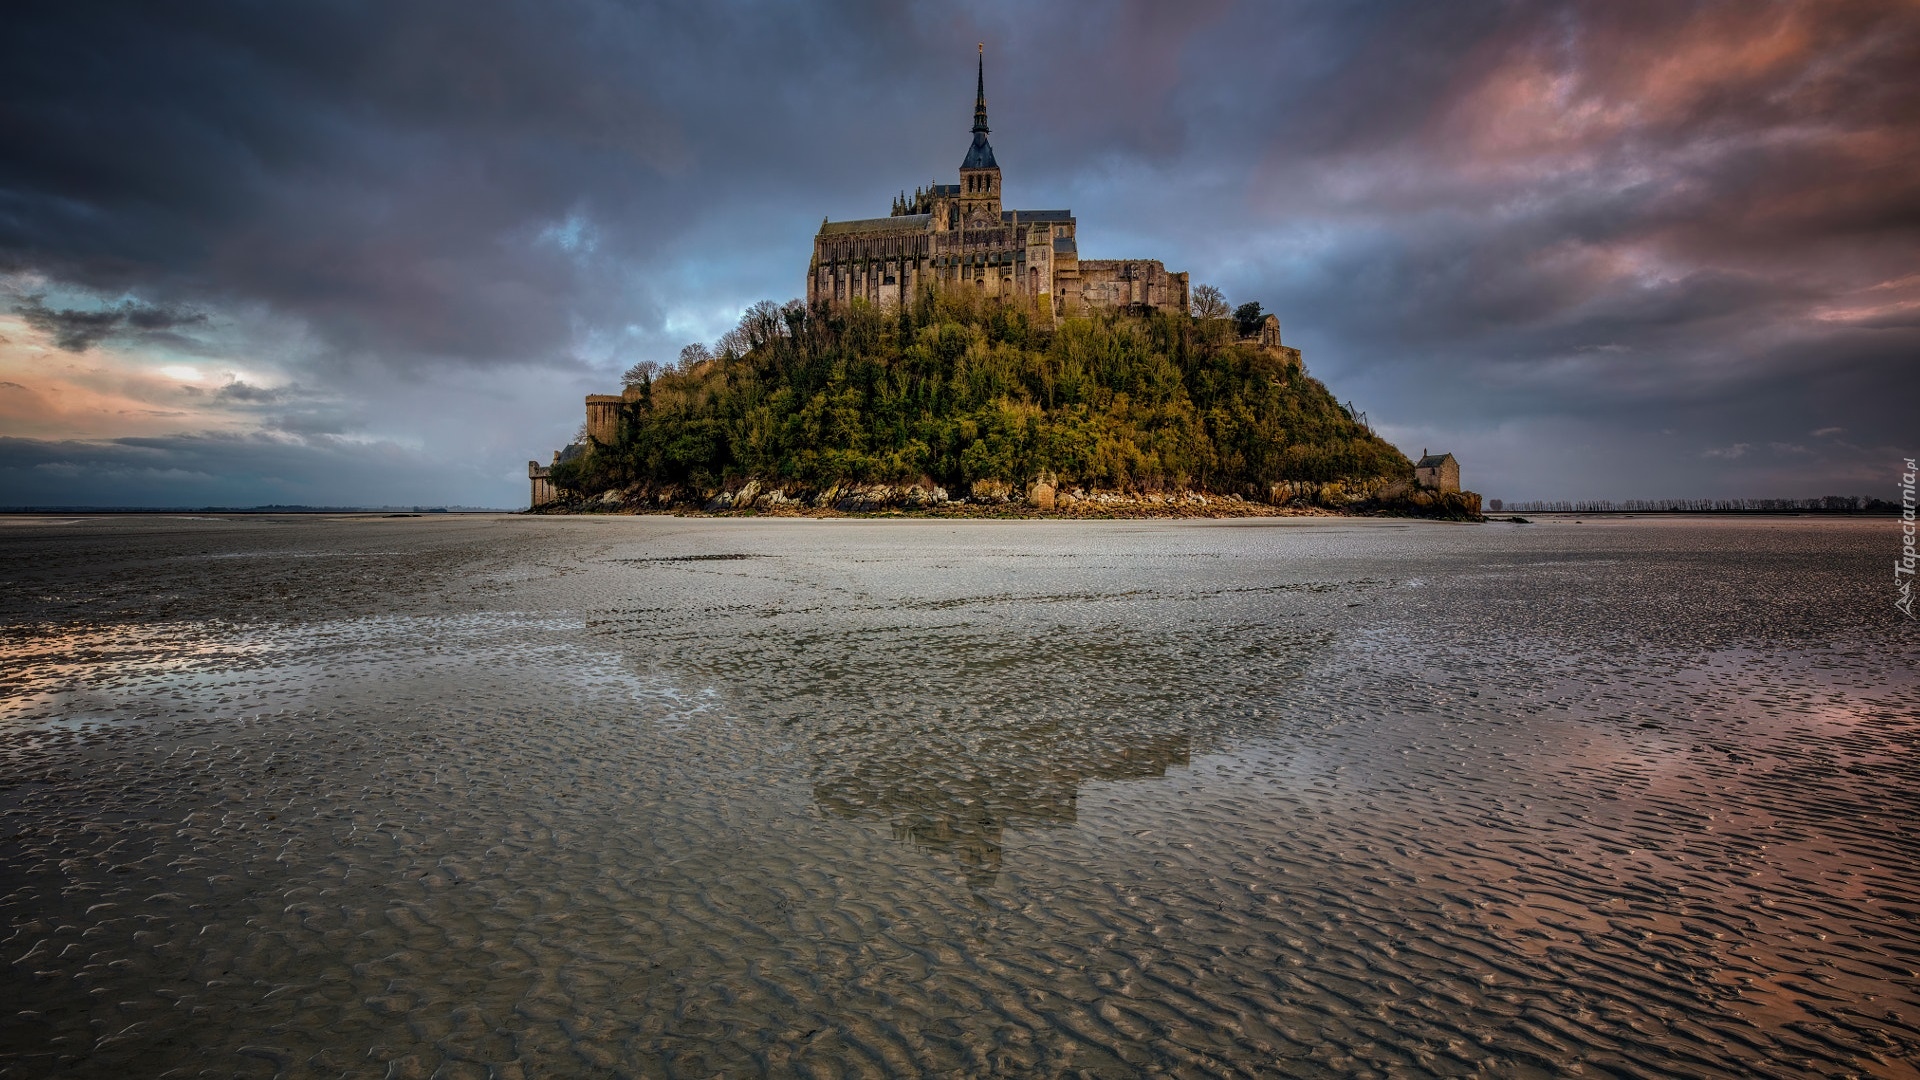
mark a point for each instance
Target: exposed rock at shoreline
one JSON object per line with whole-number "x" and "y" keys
{"x": 1043, "y": 497}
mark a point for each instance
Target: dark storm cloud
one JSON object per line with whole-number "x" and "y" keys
{"x": 77, "y": 331}
{"x": 388, "y": 172}
{"x": 1685, "y": 218}
{"x": 1697, "y": 218}
{"x": 243, "y": 392}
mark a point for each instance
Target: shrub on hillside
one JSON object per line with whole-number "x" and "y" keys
{"x": 959, "y": 389}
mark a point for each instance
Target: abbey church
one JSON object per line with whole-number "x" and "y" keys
{"x": 957, "y": 235}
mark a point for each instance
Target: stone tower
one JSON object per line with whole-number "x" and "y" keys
{"x": 979, "y": 173}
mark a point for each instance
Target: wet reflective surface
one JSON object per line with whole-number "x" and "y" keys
{"x": 530, "y": 797}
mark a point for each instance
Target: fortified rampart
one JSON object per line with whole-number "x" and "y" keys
{"x": 603, "y": 417}
{"x": 1128, "y": 283}
{"x": 540, "y": 478}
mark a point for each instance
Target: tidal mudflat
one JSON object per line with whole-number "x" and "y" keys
{"x": 458, "y": 796}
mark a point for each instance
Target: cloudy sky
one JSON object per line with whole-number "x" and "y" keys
{"x": 375, "y": 253}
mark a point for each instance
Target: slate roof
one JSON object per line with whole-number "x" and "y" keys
{"x": 1037, "y": 215}
{"x": 903, "y": 223}
{"x": 1434, "y": 461}
{"x": 980, "y": 154}
{"x": 1064, "y": 245}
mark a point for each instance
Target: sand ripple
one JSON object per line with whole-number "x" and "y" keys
{"x": 500, "y": 797}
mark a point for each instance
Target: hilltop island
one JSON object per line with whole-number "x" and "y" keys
{"x": 953, "y": 404}
{"x": 959, "y": 357}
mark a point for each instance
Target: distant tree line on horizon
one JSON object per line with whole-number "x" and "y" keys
{"x": 1825, "y": 504}
{"x": 957, "y": 388}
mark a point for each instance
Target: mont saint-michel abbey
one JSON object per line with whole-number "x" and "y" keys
{"x": 957, "y": 235}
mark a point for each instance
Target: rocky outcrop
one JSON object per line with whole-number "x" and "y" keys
{"x": 1385, "y": 496}
{"x": 1422, "y": 503}
{"x": 1040, "y": 493}
{"x": 1045, "y": 494}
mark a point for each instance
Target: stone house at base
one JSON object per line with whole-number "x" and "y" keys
{"x": 1437, "y": 472}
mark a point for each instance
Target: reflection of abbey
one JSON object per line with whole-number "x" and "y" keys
{"x": 956, "y": 235}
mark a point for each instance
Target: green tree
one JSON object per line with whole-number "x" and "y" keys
{"x": 1246, "y": 318}
{"x": 960, "y": 389}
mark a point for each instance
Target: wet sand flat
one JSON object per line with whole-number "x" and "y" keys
{"x": 499, "y": 796}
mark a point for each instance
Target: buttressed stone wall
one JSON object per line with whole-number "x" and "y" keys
{"x": 1119, "y": 283}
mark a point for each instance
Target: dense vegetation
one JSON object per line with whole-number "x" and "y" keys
{"x": 961, "y": 390}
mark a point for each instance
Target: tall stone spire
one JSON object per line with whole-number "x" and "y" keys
{"x": 980, "y": 94}
{"x": 980, "y": 154}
